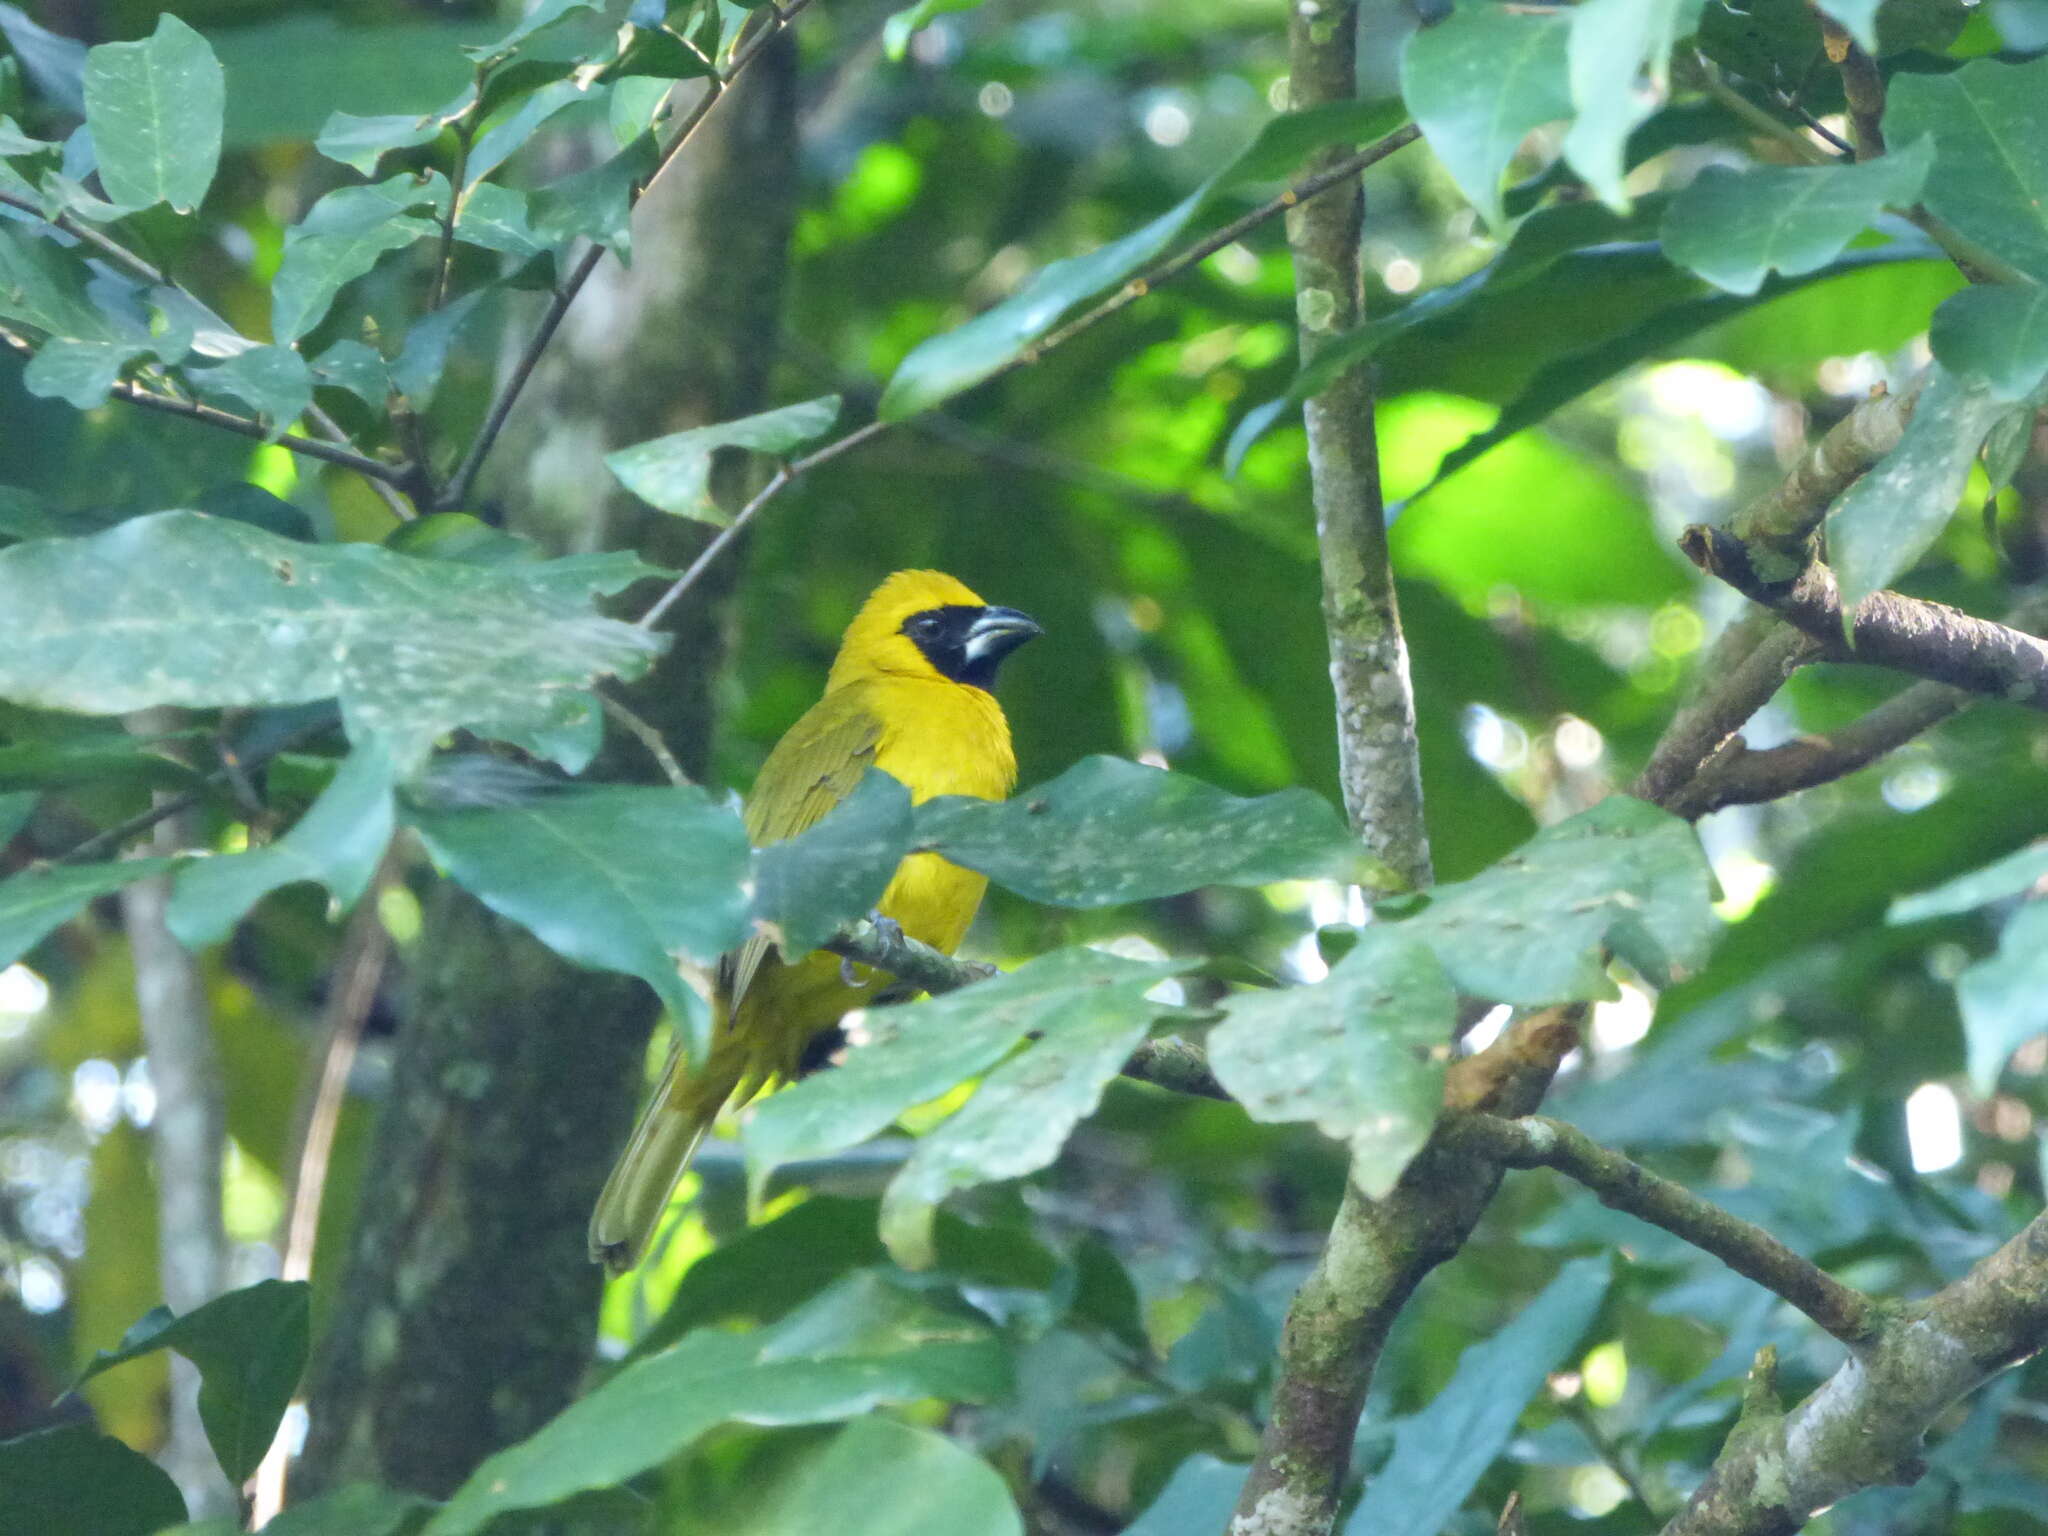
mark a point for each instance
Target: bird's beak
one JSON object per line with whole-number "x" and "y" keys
{"x": 996, "y": 632}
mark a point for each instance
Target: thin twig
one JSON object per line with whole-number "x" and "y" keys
{"x": 458, "y": 489}
{"x": 1862, "y": 85}
{"x": 1745, "y": 1247}
{"x": 648, "y": 737}
{"x": 106, "y": 245}
{"x": 444, "y": 257}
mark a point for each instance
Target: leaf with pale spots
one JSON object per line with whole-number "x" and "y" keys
{"x": 1361, "y": 1053}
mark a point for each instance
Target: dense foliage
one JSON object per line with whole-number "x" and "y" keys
{"x": 281, "y": 659}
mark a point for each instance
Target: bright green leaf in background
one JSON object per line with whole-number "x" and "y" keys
{"x": 72, "y": 1479}
{"x": 944, "y": 365}
{"x": 337, "y": 842}
{"x": 1441, "y": 1452}
{"x": 674, "y": 472}
{"x": 1361, "y": 1053}
{"x": 1620, "y": 54}
{"x": 1989, "y": 122}
{"x": 2004, "y": 999}
{"x": 863, "y": 1344}
{"x": 154, "y": 108}
{"x": 36, "y": 902}
{"x": 614, "y": 877}
{"x": 1995, "y": 335}
{"x": 249, "y": 1345}
{"x": 1479, "y": 82}
{"x": 180, "y": 608}
{"x": 1109, "y": 830}
{"x": 1735, "y": 228}
{"x": 1888, "y": 518}
{"x": 1532, "y": 929}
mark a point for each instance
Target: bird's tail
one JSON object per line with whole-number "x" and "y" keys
{"x": 671, "y": 1128}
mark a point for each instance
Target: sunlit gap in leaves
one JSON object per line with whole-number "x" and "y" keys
{"x": 1915, "y": 786}
{"x": 23, "y": 995}
{"x": 1328, "y": 904}
{"x": 1934, "y": 1127}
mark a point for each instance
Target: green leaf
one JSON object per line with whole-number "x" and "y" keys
{"x": 494, "y": 216}
{"x": 1997, "y": 336}
{"x": 1200, "y": 1496}
{"x": 919, "y": 1051}
{"x": 356, "y": 1509}
{"x": 1858, "y": 18}
{"x": 56, "y": 64}
{"x": 250, "y": 1347}
{"x": 274, "y": 382}
{"x": 1478, "y": 83}
{"x": 544, "y": 14}
{"x": 43, "y": 285}
{"x": 1989, "y": 122}
{"x": 1109, "y": 830}
{"x": 317, "y": 266}
{"x": 812, "y": 885}
{"x": 80, "y": 373}
{"x": 905, "y": 24}
{"x": 877, "y": 1477}
{"x": 338, "y": 843}
{"x": 38, "y": 901}
{"x": 614, "y": 878}
{"x": 357, "y": 368}
{"x": 496, "y": 144}
{"x": 1023, "y": 1111}
{"x": 154, "y": 108}
{"x": 1734, "y": 228}
{"x": 863, "y": 1345}
{"x": 1620, "y": 53}
{"x": 1889, "y": 517}
{"x": 1533, "y": 928}
{"x": 361, "y": 142}
{"x": 416, "y": 371}
{"x": 2014, "y": 875}
{"x": 2004, "y": 999}
{"x": 1441, "y": 1452}
{"x": 180, "y": 608}
{"x": 944, "y": 365}
{"x": 16, "y": 806}
{"x": 596, "y": 204}
{"x": 1361, "y": 1053}
{"x": 673, "y": 473}
{"x": 72, "y": 1479}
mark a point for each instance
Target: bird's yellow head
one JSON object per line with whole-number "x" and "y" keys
{"x": 926, "y": 624}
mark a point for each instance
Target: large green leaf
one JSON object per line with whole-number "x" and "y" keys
{"x": 154, "y": 108}
{"x": 37, "y": 901}
{"x": 1109, "y": 830}
{"x": 1023, "y": 1111}
{"x": 317, "y": 266}
{"x": 1361, "y": 1053}
{"x": 44, "y": 285}
{"x": 2014, "y": 875}
{"x": 360, "y": 142}
{"x": 1995, "y": 335}
{"x": 250, "y": 1347}
{"x": 180, "y": 608}
{"x": 2004, "y": 999}
{"x": 1735, "y": 228}
{"x": 597, "y": 203}
{"x": 1533, "y": 929}
{"x": 274, "y": 382}
{"x": 1198, "y": 1497}
{"x": 1620, "y": 53}
{"x": 80, "y": 373}
{"x": 1441, "y": 1452}
{"x": 919, "y": 1051}
{"x": 877, "y": 1477}
{"x": 674, "y": 472}
{"x": 943, "y": 366}
{"x": 337, "y": 842}
{"x": 1478, "y": 82}
{"x": 16, "y": 806}
{"x": 812, "y": 885}
{"x": 618, "y": 878}
{"x": 1888, "y": 518}
{"x": 356, "y": 1509}
{"x": 864, "y": 1344}
{"x": 72, "y": 1479}
{"x": 1989, "y": 121}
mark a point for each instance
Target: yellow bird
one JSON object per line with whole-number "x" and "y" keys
{"x": 908, "y": 694}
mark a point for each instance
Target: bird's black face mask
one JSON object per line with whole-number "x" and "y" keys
{"x": 966, "y": 643}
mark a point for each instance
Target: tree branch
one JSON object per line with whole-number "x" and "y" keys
{"x": 1908, "y": 634}
{"x": 1863, "y": 1426}
{"x": 775, "y": 19}
{"x": 1708, "y": 724}
{"x": 1743, "y": 1246}
{"x": 1861, "y": 84}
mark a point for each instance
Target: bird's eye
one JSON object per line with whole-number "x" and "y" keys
{"x": 925, "y": 626}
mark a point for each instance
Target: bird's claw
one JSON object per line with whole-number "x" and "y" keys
{"x": 887, "y": 929}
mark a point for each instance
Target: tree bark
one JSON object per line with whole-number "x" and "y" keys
{"x": 468, "y": 1308}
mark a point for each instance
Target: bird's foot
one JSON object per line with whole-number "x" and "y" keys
{"x": 887, "y": 929}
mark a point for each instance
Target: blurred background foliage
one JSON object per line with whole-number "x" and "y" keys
{"x": 1811, "y": 1077}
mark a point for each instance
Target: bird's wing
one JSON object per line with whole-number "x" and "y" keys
{"x": 814, "y": 767}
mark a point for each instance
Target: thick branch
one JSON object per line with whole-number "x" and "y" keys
{"x": 1863, "y": 1426}
{"x": 1786, "y": 515}
{"x": 1708, "y": 725}
{"x": 1908, "y": 634}
{"x": 1627, "y": 1186}
{"x": 1862, "y": 85}
{"x": 1740, "y": 776}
